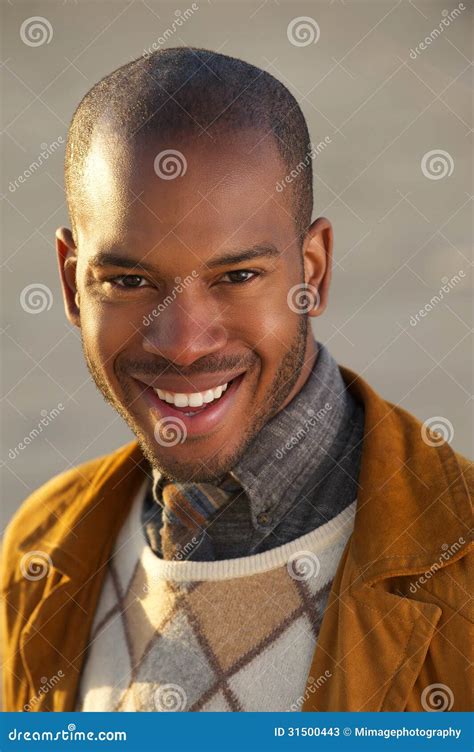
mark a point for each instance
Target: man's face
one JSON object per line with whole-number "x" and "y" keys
{"x": 167, "y": 308}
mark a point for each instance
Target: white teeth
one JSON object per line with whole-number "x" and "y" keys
{"x": 181, "y": 400}
{"x": 196, "y": 399}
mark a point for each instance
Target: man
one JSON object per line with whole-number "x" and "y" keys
{"x": 278, "y": 537}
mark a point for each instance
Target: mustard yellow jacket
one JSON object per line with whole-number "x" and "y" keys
{"x": 397, "y": 632}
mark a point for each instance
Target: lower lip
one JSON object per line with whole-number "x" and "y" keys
{"x": 202, "y": 422}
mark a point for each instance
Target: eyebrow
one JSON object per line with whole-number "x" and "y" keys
{"x": 256, "y": 251}
{"x": 110, "y": 258}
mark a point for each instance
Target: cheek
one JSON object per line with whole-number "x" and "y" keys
{"x": 270, "y": 328}
{"x": 269, "y": 320}
{"x": 107, "y": 332}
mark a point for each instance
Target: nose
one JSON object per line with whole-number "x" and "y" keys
{"x": 185, "y": 330}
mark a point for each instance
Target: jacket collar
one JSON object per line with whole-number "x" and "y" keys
{"x": 422, "y": 486}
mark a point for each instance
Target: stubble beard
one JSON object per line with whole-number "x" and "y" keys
{"x": 215, "y": 467}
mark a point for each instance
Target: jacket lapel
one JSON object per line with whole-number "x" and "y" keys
{"x": 56, "y": 635}
{"x": 373, "y": 641}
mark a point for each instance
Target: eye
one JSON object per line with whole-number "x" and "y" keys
{"x": 240, "y": 276}
{"x": 128, "y": 281}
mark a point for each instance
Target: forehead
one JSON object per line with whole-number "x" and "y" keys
{"x": 201, "y": 193}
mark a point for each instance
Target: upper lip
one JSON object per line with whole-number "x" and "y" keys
{"x": 191, "y": 385}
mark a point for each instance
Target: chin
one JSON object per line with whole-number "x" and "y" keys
{"x": 184, "y": 469}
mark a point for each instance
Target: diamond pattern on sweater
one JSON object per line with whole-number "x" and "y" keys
{"x": 184, "y": 643}
{"x": 243, "y": 642}
{"x": 277, "y": 664}
{"x": 254, "y": 608}
{"x": 109, "y": 642}
{"x": 176, "y": 657}
{"x": 216, "y": 704}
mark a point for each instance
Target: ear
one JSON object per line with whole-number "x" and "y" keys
{"x": 317, "y": 258}
{"x": 67, "y": 260}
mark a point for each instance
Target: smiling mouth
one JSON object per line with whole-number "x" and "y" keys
{"x": 196, "y": 402}
{"x": 212, "y": 411}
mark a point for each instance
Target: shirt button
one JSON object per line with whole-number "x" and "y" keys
{"x": 264, "y": 519}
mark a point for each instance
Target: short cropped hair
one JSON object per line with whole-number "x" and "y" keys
{"x": 182, "y": 89}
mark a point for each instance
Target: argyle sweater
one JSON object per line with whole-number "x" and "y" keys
{"x": 229, "y": 635}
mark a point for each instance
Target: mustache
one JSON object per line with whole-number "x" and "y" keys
{"x": 156, "y": 368}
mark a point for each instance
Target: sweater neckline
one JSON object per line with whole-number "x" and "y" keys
{"x": 316, "y": 542}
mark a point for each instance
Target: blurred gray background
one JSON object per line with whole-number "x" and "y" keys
{"x": 395, "y": 180}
